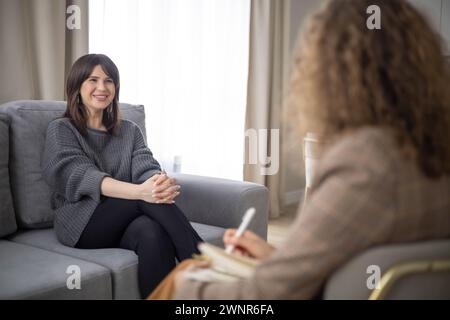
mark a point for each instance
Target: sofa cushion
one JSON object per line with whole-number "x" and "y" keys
{"x": 29, "y": 120}
{"x": 31, "y": 273}
{"x": 7, "y": 220}
{"x": 120, "y": 262}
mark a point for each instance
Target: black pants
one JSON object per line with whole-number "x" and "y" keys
{"x": 157, "y": 233}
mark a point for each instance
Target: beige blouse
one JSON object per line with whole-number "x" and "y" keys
{"x": 365, "y": 194}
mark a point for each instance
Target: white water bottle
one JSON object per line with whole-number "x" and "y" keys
{"x": 177, "y": 164}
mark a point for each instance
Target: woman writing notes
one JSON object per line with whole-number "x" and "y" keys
{"x": 381, "y": 98}
{"x": 108, "y": 190}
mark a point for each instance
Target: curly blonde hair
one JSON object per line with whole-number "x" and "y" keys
{"x": 347, "y": 76}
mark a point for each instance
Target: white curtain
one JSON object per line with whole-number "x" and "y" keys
{"x": 186, "y": 61}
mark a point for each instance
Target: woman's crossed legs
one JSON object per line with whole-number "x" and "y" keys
{"x": 157, "y": 233}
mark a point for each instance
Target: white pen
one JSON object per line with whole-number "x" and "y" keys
{"x": 248, "y": 216}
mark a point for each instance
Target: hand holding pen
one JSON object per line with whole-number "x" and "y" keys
{"x": 246, "y": 219}
{"x": 247, "y": 243}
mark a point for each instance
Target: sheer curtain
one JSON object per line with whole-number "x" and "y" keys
{"x": 187, "y": 63}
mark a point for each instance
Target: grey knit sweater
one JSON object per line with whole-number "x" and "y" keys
{"x": 74, "y": 166}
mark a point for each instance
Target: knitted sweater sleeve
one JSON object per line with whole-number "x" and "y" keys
{"x": 143, "y": 165}
{"x": 66, "y": 168}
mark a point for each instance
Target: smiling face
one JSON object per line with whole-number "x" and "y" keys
{"x": 97, "y": 91}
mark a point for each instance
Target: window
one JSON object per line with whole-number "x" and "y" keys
{"x": 186, "y": 61}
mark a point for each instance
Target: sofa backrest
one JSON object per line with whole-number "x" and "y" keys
{"x": 28, "y": 125}
{"x": 8, "y": 223}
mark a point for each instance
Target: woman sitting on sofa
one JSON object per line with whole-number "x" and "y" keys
{"x": 381, "y": 98}
{"x": 108, "y": 190}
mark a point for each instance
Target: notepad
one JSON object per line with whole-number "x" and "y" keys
{"x": 224, "y": 267}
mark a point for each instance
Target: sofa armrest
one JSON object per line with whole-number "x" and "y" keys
{"x": 222, "y": 202}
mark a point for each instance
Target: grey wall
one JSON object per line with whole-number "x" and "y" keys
{"x": 438, "y": 14}
{"x": 293, "y": 178}
{"x": 445, "y": 24}
{"x": 300, "y": 10}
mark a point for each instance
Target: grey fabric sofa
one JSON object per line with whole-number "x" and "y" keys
{"x": 416, "y": 270}
{"x": 34, "y": 265}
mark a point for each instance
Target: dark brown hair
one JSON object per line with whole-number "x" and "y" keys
{"x": 80, "y": 71}
{"x": 347, "y": 76}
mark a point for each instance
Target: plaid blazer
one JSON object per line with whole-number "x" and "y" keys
{"x": 365, "y": 194}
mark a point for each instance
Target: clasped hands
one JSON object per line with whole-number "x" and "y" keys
{"x": 160, "y": 188}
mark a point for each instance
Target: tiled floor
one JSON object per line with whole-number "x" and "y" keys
{"x": 278, "y": 227}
